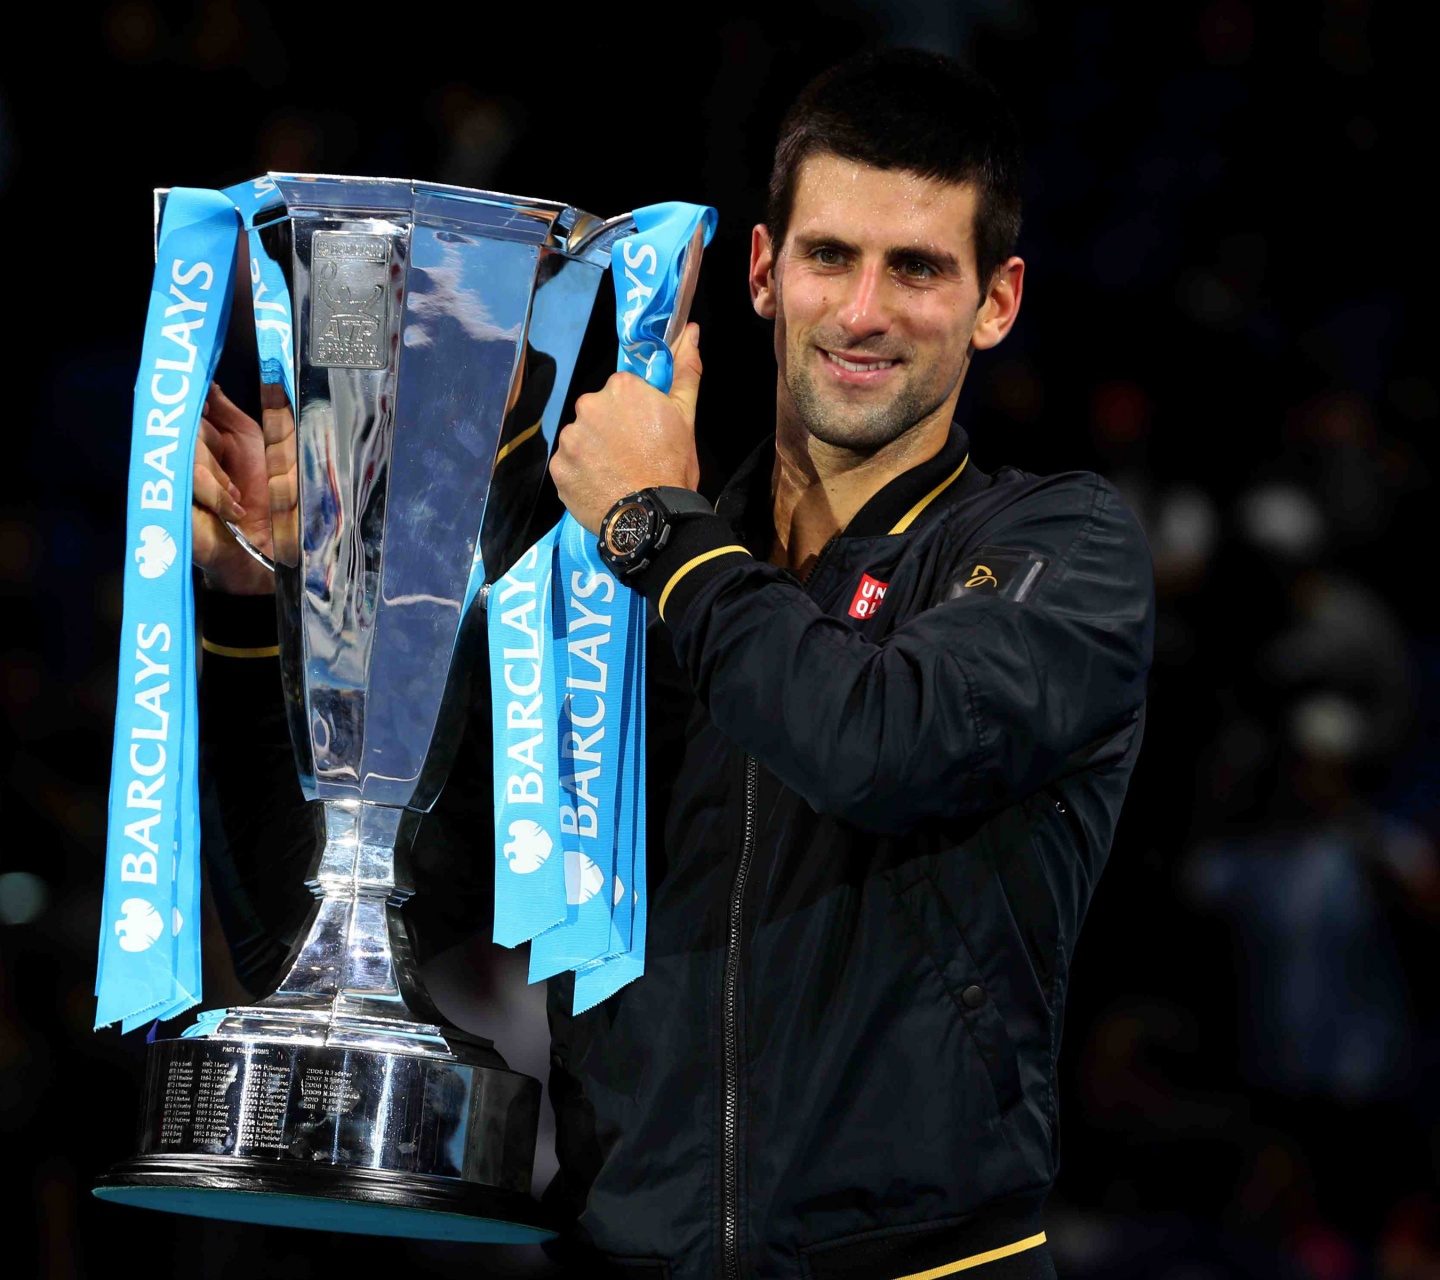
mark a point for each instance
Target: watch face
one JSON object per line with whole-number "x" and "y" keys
{"x": 628, "y": 529}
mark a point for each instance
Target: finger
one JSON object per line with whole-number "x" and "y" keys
{"x": 284, "y": 492}
{"x": 277, "y": 425}
{"x": 205, "y": 457}
{"x": 208, "y": 538}
{"x": 213, "y": 495}
{"x": 215, "y": 447}
{"x": 280, "y": 457}
{"x": 226, "y": 414}
{"x": 211, "y": 437}
{"x": 205, "y": 460}
{"x": 685, "y": 385}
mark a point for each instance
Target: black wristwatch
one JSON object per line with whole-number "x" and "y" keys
{"x": 639, "y": 525}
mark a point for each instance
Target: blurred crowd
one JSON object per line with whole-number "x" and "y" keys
{"x": 1226, "y": 314}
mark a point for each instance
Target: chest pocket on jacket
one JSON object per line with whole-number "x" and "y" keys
{"x": 939, "y": 931}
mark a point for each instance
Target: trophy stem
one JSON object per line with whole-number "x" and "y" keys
{"x": 351, "y": 978}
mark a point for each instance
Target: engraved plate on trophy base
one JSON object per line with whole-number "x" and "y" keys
{"x": 228, "y": 1122}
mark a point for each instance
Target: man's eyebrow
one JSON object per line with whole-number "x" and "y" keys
{"x": 805, "y": 242}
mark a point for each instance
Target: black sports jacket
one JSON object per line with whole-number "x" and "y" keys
{"x": 880, "y": 800}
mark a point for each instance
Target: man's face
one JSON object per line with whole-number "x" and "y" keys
{"x": 875, "y": 300}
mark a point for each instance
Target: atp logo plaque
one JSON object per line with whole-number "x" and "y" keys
{"x": 349, "y": 313}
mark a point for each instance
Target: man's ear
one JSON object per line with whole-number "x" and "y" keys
{"x": 762, "y": 272}
{"x": 1001, "y": 306}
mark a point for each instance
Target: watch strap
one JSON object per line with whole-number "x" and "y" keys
{"x": 678, "y": 502}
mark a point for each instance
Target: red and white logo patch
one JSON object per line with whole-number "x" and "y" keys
{"x": 868, "y": 596}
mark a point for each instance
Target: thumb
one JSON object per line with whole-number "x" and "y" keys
{"x": 685, "y": 384}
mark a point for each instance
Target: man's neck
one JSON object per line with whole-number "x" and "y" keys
{"x": 817, "y": 488}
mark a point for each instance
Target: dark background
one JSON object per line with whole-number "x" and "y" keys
{"x": 1229, "y": 281}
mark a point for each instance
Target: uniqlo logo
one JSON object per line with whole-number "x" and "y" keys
{"x": 868, "y": 596}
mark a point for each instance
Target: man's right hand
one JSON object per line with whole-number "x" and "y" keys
{"x": 230, "y": 484}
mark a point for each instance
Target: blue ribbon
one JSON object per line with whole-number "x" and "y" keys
{"x": 529, "y": 867}
{"x": 594, "y": 721}
{"x": 601, "y": 978}
{"x": 149, "y": 963}
{"x": 597, "y": 651}
{"x": 269, "y": 295}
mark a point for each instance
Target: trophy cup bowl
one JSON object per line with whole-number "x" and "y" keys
{"x": 428, "y": 323}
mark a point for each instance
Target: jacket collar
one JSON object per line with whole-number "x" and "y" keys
{"x": 747, "y": 503}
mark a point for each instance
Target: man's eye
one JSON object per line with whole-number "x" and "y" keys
{"x": 828, "y": 257}
{"x": 916, "y": 269}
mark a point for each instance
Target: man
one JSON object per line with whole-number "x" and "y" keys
{"x": 895, "y": 705}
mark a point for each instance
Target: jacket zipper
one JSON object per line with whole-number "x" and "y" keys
{"x": 730, "y": 1013}
{"x": 818, "y": 561}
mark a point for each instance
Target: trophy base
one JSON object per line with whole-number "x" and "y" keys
{"x": 325, "y": 1198}
{"x": 273, "y": 1128}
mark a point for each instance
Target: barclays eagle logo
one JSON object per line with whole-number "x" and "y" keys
{"x": 140, "y": 926}
{"x": 156, "y": 551}
{"x": 528, "y": 847}
{"x": 583, "y": 879}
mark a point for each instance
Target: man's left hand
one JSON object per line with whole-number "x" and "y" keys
{"x": 629, "y": 436}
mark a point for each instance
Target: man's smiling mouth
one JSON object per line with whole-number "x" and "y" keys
{"x": 863, "y": 365}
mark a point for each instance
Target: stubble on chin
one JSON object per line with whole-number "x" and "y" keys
{"x": 860, "y": 428}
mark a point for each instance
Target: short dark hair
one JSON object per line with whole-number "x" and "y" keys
{"x": 912, "y": 110}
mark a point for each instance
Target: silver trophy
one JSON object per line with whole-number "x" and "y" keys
{"x": 429, "y": 323}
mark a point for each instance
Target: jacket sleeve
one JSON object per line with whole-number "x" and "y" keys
{"x": 966, "y": 706}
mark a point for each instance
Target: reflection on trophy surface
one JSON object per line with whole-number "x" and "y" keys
{"x": 428, "y": 323}
{"x": 277, "y": 422}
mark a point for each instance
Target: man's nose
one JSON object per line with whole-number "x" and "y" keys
{"x": 864, "y": 310}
